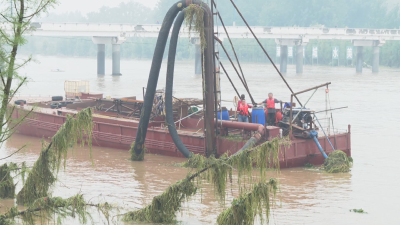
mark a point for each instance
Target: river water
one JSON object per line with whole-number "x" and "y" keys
{"x": 306, "y": 197}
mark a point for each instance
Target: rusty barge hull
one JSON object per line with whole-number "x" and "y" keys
{"x": 116, "y": 133}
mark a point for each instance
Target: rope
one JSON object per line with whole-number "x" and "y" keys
{"x": 333, "y": 126}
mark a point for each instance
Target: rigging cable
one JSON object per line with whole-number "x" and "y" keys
{"x": 266, "y": 53}
{"x": 234, "y": 52}
{"x": 234, "y": 67}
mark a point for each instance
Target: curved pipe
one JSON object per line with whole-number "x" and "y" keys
{"x": 169, "y": 86}
{"x": 260, "y": 132}
{"x": 154, "y": 73}
{"x": 170, "y": 80}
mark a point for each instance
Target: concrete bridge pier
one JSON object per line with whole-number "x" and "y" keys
{"x": 197, "y": 55}
{"x": 299, "y": 59}
{"x": 375, "y": 59}
{"x": 101, "y": 59}
{"x": 116, "y": 59}
{"x": 284, "y": 56}
{"x": 359, "y": 58}
{"x": 101, "y": 54}
{"x": 197, "y": 60}
{"x": 299, "y": 43}
{"x": 375, "y": 44}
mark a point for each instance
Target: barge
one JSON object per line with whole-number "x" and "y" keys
{"x": 116, "y": 122}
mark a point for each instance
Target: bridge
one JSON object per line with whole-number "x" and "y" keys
{"x": 116, "y": 34}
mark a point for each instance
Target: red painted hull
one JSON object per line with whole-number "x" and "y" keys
{"x": 116, "y": 133}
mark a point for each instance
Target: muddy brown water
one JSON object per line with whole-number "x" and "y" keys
{"x": 306, "y": 197}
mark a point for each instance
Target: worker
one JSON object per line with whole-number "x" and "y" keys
{"x": 242, "y": 97}
{"x": 243, "y": 110}
{"x": 270, "y": 104}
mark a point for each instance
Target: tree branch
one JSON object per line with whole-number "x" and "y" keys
{"x": 19, "y": 86}
{"x": 38, "y": 9}
{"x": 16, "y": 8}
{"x": 13, "y": 153}
{"x": 5, "y": 18}
{"x": 10, "y": 131}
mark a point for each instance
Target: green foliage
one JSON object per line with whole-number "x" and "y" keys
{"x": 357, "y": 210}
{"x": 247, "y": 206}
{"x": 7, "y": 218}
{"x": 71, "y": 207}
{"x": 338, "y": 162}
{"x": 309, "y": 165}
{"x": 7, "y": 187}
{"x": 46, "y": 208}
{"x": 163, "y": 207}
{"x": 45, "y": 170}
{"x": 18, "y": 24}
{"x": 217, "y": 172}
{"x": 135, "y": 157}
{"x": 194, "y": 20}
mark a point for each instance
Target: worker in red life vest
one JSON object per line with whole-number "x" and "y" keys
{"x": 243, "y": 110}
{"x": 270, "y": 104}
{"x": 242, "y": 97}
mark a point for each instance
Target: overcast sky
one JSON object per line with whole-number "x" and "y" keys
{"x": 86, "y": 6}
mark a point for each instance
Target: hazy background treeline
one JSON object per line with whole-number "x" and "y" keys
{"x": 327, "y": 13}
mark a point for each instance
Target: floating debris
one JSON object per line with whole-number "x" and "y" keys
{"x": 135, "y": 157}
{"x": 357, "y": 210}
{"x": 338, "y": 162}
{"x": 309, "y": 165}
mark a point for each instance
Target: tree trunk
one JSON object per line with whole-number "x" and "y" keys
{"x": 10, "y": 70}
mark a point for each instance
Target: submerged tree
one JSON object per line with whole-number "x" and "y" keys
{"x": 45, "y": 170}
{"x": 249, "y": 205}
{"x": 45, "y": 208}
{"x": 218, "y": 172}
{"x": 35, "y": 193}
{"x": 7, "y": 186}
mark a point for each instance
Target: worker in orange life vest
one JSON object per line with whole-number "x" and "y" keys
{"x": 270, "y": 103}
{"x": 243, "y": 110}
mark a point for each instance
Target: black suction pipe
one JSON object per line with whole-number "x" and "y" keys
{"x": 169, "y": 86}
{"x": 154, "y": 73}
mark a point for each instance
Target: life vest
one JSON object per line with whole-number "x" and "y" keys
{"x": 278, "y": 117}
{"x": 271, "y": 103}
{"x": 244, "y": 108}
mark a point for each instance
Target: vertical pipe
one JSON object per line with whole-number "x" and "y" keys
{"x": 284, "y": 55}
{"x": 197, "y": 59}
{"x": 101, "y": 59}
{"x": 359, "y": 64}
{"x": 116, "y": 59}
{"x": 216, "y": 90}
{"x": 299, "y": 59}
{"x": 291, "y": 115}
{"x": 209, "y": 68}
{"x": 375, "y": 59}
